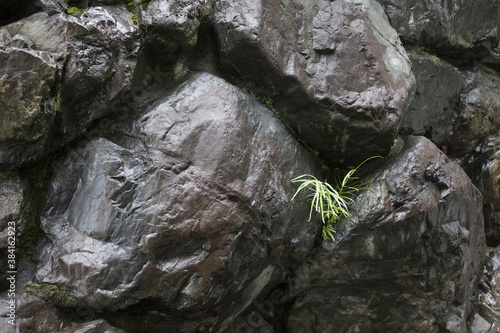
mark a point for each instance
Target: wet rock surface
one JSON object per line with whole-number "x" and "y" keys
{"x": 192, "y": 217}
{"x": 408, "y": 258}
{"x": 460, "y": 29}
{"x": 438, "y": 86}
{"x": 484, "y": 168}
{"x": 151, "y": 196}
{"x": 59, "y": 73}
{"x": 488, "y": 317}
{"x": 12, "y": 222}
{"x": 339, "y": 72}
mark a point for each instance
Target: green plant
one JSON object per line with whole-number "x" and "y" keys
{"x": 75, "y": 11}
{"x": 328, "y": 201}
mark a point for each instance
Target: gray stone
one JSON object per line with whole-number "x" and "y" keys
{"x": 336, "y": 71}
{"x": 21, "y": 41}
{"x": 483, "y": 166}
{"x": 463, "y": 30}
{"x": 77, "y": 71}
{"x": 437, "y": 92}
{"x": 12, "y": 224}
{"x": 192, "y": 217}
{"x": 26, "y": 79}
{"x": 489, "y": 295}
{"x": 407, "y": 260}
{"x": 171, "y": 31}
{"x": 96, "y": 326}
{"x": 478, "y": 112}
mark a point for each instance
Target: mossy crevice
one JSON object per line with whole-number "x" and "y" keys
{"x": 52, "y": 294}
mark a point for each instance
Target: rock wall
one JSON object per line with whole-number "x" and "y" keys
{"x": 147, "y": 151}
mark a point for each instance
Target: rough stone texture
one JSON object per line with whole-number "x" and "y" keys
{"x": 463, "y": 30}
{"x": 37, "y": 316}
{"x": 26, "y": 80}
{"x": 193, "y": 218}
{"x": 12, "y": 203}
{"x": 409, "y": 258}
{"x": 483, "y": 166}
{"x": 76, "y": 71}
{"x": 488, "y": 316}
{"x": 478, "y": 112}
{"x": 438, "y": 86}
{"x": 175, "y": 22}
{"x": 338, "y": 72}
{"x": 96, "y": 326}
{"x": 474, "y": 141}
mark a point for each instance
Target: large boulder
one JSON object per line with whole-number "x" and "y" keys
{"x": 192, "y": 218}
{"x": 59, "y": 73}
{"x": 478, "y": 112}
{"x": 26, "y": 80}
{"x": 407, "y": 260}
{"x": 437, "y": 92}
{"x": 463, "y": 30}
{"x": 335, "y": 70}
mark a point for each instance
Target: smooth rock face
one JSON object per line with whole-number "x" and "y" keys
{"x": 58, "y": 74}
{"x": 437, "y": 92}
{"x": 462, "y": 29}
{"x": 192, "y": 217}
{"x": 339, "y": 72}
{"x": 407, "y": 260}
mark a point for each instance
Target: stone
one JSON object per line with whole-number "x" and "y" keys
{"x": 408, "y": 259}
{"x": 37, "y": 316}
{"x": 489, "y": 295}
{"x": 192, "y": 218}
{"x": 438, "y": 87}
{"x": 171, "y": 32}
{"x": 26, "y": 80}
{"x": 75, "y": 74}
{"x": 478, "y": 112}
{"x": 96, "y": 326}
{"x": 12, "y": 223}
{"x": 336, "y": 71}
{"x": 483, "y": 166}
{"x": 461, "y": 30}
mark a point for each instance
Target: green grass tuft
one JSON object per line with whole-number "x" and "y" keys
{"x": 328, "y": 201}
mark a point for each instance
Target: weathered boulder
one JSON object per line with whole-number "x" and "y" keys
{"x": 464, "y": 30}
{"x": 336, "y": 71}
{"x": 478, "y": 112}
{"x": 78, "y": 67}
{"x": 192, "y": 218}
{"x": 407, "y": 260}
{"x": 438, "y": 86}
{"x": 26, "y": 80}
